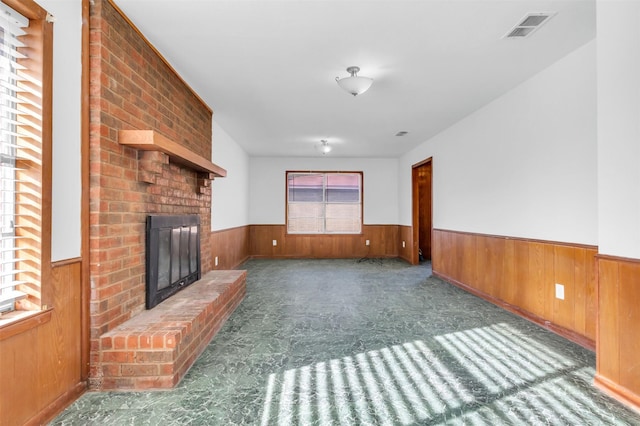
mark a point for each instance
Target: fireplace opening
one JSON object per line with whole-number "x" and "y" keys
{"x": 173, "y": 255}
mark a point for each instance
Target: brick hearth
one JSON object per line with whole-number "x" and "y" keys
{"x": 155, "y": 349}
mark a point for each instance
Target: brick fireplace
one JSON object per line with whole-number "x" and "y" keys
{"x": 133, "y": 88}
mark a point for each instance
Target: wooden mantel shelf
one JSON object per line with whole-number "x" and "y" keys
{"x": 150, "y": 140}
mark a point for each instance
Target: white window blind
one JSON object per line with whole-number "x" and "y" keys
{"x": 324, "y": 203}
{"x": 21, "y": 116}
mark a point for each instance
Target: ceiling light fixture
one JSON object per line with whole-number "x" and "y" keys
{"x": 354, "y": 84}
{"x": 324, "y": 147}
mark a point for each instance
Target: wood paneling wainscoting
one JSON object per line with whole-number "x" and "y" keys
{"x": 408, "y": 252}
{"x": 618, "y": 353}
{"x": 42, "y": 364}
{"x": 231, "y": 246}
{"x": 383, "y": 240}
{"x": 520, "y": 275}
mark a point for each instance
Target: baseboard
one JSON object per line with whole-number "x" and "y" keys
{"x": 59, "y": 404}
{"x": 617, "y": 392}
{"x": 293, "y": 256}
{"x": 247, "y": 257}
{"x": 561, "y": 331}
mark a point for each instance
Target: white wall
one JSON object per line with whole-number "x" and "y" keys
{"x": 230, "y": 200}
{"x": 522, "y": 166}
{"x": 267, "y": 186}
{"x": 619, "y": 128}
{"x": 67, "y": 67}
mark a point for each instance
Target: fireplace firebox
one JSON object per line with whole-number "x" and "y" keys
{"x": 173, "y": 255}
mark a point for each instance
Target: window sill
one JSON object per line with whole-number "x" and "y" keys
{"x": 18, "y": 322}
{"x": 335, "y": 234}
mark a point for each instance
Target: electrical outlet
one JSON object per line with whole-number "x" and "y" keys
{"x": 559, "y": 291}
{"x": 275, "y": 243}
{"x": 366, "y": 243}
{"x": 404, "y": 244}
{"x": 216, "y": 261}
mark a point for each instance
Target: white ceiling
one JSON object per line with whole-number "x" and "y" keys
{"x": 268, "y": 68}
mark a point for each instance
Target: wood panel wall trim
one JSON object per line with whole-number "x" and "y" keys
{"x": 234, "y": 228}
{"x": 405, "y": 233}
{"x": 617, "y": 258}
{"x": 384, "y": 240}
{"x": 617, "y": 392}
{"x": 618, "y": 347}
{"x": 21, "y": 325}
{"x": 47, "y": 165}
{"x": 157, "y": 52}
{"x": 564, "y": 332}
{"x": 58, "y": 405}
{"x": 85, "y": 164}
{"x": 230, "y": 246}
{"x": 525, "y": 274}
{"x": 529, "y": 240}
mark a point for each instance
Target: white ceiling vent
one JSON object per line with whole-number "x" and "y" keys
{"x": 530, "y": 23}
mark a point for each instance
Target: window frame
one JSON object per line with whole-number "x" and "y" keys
{"x": 323, "y": 172}
{"x": 39, "y": 66}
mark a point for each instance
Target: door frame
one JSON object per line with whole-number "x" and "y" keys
{"x": 415, "y": 208}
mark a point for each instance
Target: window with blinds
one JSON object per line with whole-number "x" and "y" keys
{"x": 21, "y": 165}
{"x": 324, "y": 203}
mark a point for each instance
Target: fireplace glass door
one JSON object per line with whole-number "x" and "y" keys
{"x": 173, "y": 255}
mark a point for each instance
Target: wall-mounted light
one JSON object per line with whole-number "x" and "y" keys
{"x": 354, "y": 84}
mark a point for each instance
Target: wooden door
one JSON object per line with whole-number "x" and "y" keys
{"x": 422, "y": 209}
